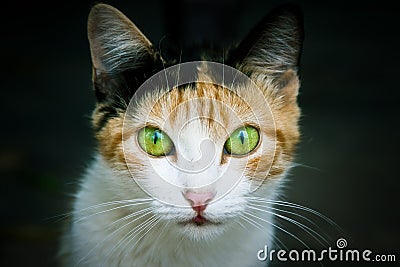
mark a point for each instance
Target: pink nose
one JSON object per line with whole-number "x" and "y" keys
{"x": 199, "y": 201}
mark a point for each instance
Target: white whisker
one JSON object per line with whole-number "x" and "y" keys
{"x": 129, "y": 216}
{"x": 109, "y": 236}
{"x": 108, "y": 210}
{"x": 297, "y": 215}
{"x": 261, "y": 228}
{"x": 128, "y": 234}
{"x": 150, "y": 222}
{"x": 159, "y": 235}
{"x": 278, "y": 227}
{"x": 295, "y": 206}
{"x": 307, "y": 229}
{"x": 100, "y": 205}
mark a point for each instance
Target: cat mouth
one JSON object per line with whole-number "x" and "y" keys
{"x": 199, "y": 220}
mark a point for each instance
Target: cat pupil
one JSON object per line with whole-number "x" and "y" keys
{"x": 155, "y": 137}
{"x": 241, "y": 136}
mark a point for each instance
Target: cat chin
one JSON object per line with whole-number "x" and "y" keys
{"x": 183, "y": 223}
{"x": 197, "y": 232}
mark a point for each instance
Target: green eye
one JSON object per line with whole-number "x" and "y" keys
{"x": 242, "y": 141}
{"x": 154, "y": 141}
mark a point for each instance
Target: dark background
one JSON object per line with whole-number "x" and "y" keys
{"x": 349, "y": 97}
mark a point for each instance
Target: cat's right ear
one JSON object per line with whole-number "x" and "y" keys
{"x": 272, "y": 49}
{"x": 118, "y": 47}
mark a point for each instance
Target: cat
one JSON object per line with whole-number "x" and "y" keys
{"x": 186, "y": 168}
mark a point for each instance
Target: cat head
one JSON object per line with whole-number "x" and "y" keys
{"x": 197, "y": 137}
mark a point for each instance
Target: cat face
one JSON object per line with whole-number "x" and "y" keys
{"x": 199, "y": 148}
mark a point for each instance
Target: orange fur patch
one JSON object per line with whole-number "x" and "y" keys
{"x": 214, "y": 103}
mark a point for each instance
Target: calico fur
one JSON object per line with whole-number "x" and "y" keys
{"x": 105, "y": 230}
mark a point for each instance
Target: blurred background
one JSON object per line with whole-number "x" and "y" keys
{"x": 349, "y": 98}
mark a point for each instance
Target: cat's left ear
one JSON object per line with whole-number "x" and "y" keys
{"x": 272, "y": 49}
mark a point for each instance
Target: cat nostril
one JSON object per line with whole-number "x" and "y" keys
{"x": 197, "y": 200}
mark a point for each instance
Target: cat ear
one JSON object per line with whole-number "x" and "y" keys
{"x": 273, "y": 47}
{"x": 117, "y": 46}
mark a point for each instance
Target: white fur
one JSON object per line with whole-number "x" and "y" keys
{"x": 165, "y": 236}
{"x": 145, "y": 220}
{"x": 168, "y": 243}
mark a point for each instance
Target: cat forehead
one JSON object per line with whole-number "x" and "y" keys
{"x": 203, "y": 104}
